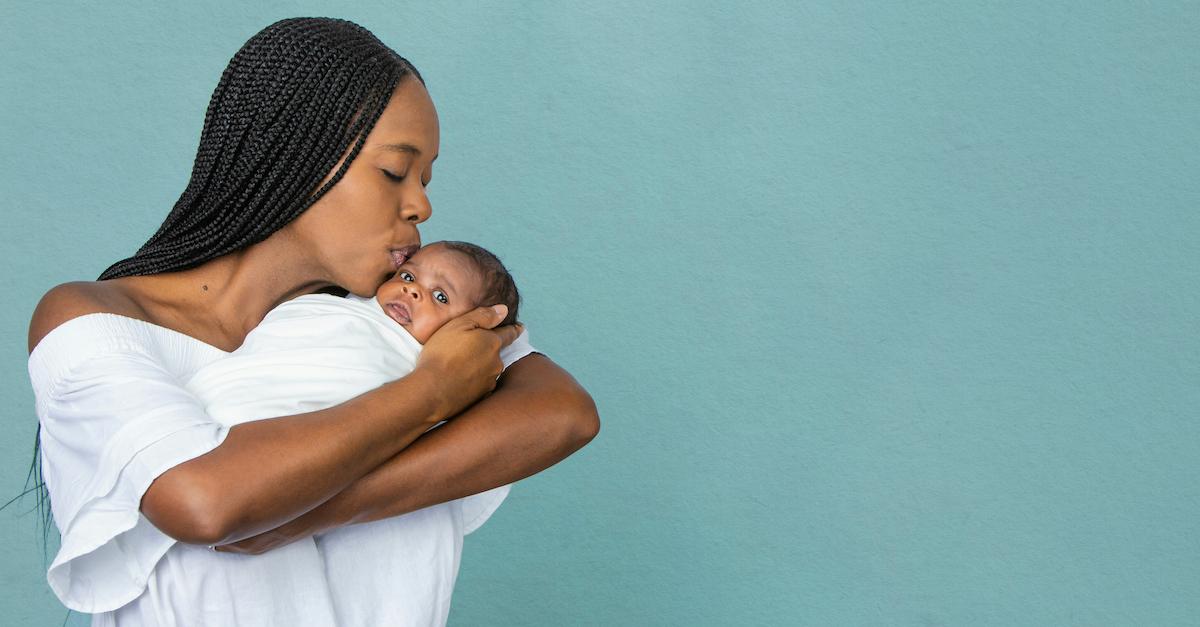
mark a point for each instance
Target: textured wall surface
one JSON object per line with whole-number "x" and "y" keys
{"x": 890, "y": 311}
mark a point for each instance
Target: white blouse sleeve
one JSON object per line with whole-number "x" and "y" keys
{"x": 114, "y": 416}
{"x": 477, "y": 508}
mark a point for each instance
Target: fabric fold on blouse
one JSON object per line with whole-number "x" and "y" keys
{"x": 113, "y": 418}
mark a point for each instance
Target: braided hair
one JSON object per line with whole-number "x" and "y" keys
{"x": 286, "y": 109}
{"x": 291, "y": 102}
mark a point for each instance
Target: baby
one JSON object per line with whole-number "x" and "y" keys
{"x": 312, "y": 351}
{"x": 318, "y": 350}
{"x": 443, "y": 281}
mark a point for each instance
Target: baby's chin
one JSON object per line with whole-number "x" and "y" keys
{"x": 421, "y": 338}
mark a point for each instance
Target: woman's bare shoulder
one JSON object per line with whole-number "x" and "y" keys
{"x": 79, "y": 298}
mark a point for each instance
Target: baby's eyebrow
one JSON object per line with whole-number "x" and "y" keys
{"x": 442, "y": 279}
{"x": 439, "y": 278}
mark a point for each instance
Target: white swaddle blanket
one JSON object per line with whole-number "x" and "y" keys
{"x": 316, "y": 351}
{"x": 309, "y": 353}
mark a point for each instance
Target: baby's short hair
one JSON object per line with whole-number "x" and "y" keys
{"x": 499, "y": 288}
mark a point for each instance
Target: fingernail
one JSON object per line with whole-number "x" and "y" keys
{"x": 500, "y": 309}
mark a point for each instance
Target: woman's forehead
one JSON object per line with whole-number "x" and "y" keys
{"x": 409, "y": 122}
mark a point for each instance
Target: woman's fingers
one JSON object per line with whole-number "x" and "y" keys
{"x": 488, "y": 318}
{"x": 464, "y": 356}
{"x": 508, "y": 333}
{"x": 483, "y": 317}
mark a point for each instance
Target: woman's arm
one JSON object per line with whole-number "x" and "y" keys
{"x": 537, "y": 416}
{"x": 317, "y": 455}
{"x": 267, "y": 472}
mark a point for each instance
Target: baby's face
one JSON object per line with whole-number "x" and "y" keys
{"x": 433, "y": 286}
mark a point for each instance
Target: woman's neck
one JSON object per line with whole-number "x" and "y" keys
{"x": 220, "y": 301}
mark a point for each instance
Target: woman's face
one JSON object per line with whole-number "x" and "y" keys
{"x": 365, "y": 226}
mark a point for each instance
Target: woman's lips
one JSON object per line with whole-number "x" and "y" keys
{"x": 400, "y": 255}
{"x": 399, "y": 313}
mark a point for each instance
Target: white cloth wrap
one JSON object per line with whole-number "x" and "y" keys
{"x": 309, "y": 353}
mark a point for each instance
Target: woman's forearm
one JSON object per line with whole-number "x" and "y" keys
{"x": 267, "y": 472}
{"x": 537, "y": 416}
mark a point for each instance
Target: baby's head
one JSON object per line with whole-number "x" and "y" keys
{"x": 442, "y": 281}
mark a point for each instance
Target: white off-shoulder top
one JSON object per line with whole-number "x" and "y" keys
{"x": 114, "y": 414}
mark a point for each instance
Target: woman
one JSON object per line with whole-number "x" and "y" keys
{"x": 310, "y": 175}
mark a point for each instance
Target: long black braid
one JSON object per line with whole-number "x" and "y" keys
{"x": 291, "y": 102}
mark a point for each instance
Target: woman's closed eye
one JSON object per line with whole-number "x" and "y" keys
{"x": 399, "y": 178}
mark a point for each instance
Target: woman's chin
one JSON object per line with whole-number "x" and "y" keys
{"x": 362, "y": 289}
{"x": 366, "y": 288}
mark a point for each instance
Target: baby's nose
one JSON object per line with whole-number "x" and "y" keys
{"x": 412, "y": 291}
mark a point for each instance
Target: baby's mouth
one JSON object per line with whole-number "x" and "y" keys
{"x": 398, "y": 312}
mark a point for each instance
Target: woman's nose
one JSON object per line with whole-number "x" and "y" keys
{"x": 416, "y": 207}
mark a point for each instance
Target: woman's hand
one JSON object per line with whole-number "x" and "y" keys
{"x": 296, "y": 529}
{"x": 464, "y": 356}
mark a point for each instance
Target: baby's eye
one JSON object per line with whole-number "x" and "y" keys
{"x": 407, "y": 277}
{"x": 441, "y": 297}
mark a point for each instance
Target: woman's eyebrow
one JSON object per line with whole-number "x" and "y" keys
{"x": 405, "y": 148}
{"x": 402, "y": 147}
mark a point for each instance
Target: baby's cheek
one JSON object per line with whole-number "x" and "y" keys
{"x": 444, "y": 317}
{"x": 387, "y": 291}
{"x": 440, "y": 316}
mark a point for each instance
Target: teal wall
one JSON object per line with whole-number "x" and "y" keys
{"x": 890, "y": 312}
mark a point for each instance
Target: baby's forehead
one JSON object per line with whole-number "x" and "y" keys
{"x": 456, "y": 265}
{"x": 440, "y": 258}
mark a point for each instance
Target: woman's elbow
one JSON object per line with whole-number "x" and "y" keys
{"x": 564, "y": 409}
{"x": 178, "y": 508}
{"x": 584, "y": 419}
